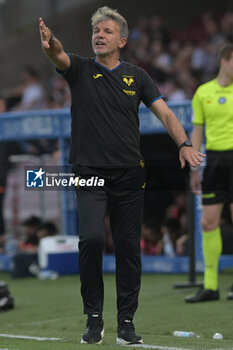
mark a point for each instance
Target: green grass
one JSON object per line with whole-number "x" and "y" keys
{"x": 54, "y": 309}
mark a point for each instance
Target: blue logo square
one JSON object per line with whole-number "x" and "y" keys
{"x": 35, "y": 178}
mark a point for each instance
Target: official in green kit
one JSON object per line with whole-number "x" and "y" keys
{"x": 213, "y": 116}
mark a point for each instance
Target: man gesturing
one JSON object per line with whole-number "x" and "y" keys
{"x": 105, "y": 142}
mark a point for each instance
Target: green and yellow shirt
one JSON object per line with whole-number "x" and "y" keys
{"x": 213, "y": 108}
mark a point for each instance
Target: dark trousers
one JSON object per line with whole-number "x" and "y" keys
{"x": 123, "y": 193}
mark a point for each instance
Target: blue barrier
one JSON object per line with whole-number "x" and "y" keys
{"x": 38, "y": 124}
{"x": 49, "y": 124}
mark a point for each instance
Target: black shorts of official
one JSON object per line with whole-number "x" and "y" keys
{"x": 122, "y": 194}
{"x": 217, "y": 185}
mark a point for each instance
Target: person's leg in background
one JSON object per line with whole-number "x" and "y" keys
{"x": 212, "y": 244}
{"x": 230, "y": 294}
{"x": 214, "y": 194}
{"x": 212, "y": 248}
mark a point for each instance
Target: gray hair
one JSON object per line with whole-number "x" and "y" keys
{"x": 105, "y": 14}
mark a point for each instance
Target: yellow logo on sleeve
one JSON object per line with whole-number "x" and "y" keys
{"x": 96, "y": 76}
{"x": 128, "y": 80}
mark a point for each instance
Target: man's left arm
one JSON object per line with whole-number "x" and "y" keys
{"x": 176, "y": 131}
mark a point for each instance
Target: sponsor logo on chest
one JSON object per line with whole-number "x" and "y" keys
{"x": 129, "y": 80}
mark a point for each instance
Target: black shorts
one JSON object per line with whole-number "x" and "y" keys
{"x": 217, "y": 185}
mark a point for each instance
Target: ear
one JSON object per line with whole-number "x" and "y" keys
{"x": 122, "y": 43}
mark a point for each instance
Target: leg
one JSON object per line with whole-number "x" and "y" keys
{"x": 126, "y": 207}
{"x": 230, "y": 294}
{"x": 91, "y": 210}
{"x": 212, "y": 244}
{"x": 212, "y": 247}
{"x": 126, "y": 218}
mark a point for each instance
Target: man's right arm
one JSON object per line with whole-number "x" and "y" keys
{"x": 52, "y": 47}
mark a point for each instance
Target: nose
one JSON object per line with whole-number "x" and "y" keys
{"x": 100, "y": 34}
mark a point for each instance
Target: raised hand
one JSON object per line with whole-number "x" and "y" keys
{"x": 53, "y": 48}
{"x": 45, "y": 34}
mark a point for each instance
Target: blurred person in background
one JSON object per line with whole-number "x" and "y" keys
{"x": 31, "y": 96}
{"x": 160, "y": 61}
{"x": 59, "y": 92}
{"x": 174, "y": 224}
{"x": 178, "y": 210}
{"x": 106, "y": 93}
{"x": 25, "y": 260}
{"x": 192, "y": 48}
{"x": 4, "y": 166}
{"x": 47, "y": 229}
{"x": 213, "y": 110}
{"x": 3, "y": 172}
{"x": 151, "y": 239}
{"x": 226, "y": 26}
{"x": 30, "y": 239}
{"x": 30, "y": 92}
{"x": 142, "y": 28}
{"x": 157, "y": 30}
{"x": 174, "y": 91}
{"x": 26, "y": 254}
{"x": 170, "y": 229}
{"x": 7, "y": 148}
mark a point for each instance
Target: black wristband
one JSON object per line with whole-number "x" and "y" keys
{"x": 187, "y": 143}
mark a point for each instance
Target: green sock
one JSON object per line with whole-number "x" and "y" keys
{"x": 212, "y": 248}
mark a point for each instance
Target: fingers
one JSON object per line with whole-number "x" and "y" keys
{"x": 45, "y": 44}
{"x": 201, "y": 154}
{"x": 197, "y": 158}
{"x": 44, "y": 33}
{"x": 192, "y": 156}
{"x": 44, "y": 29}
{"x": 41, "y": 23}
{"x": 195, "y": 161}
{"x": 182, "y": 162}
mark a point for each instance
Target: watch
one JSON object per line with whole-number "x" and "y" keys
{"x": 186, "y": 143}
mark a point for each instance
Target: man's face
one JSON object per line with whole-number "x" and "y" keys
{"x": 106, "y": 38}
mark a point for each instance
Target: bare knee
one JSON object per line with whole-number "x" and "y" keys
{"x": 209, "y": 224}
